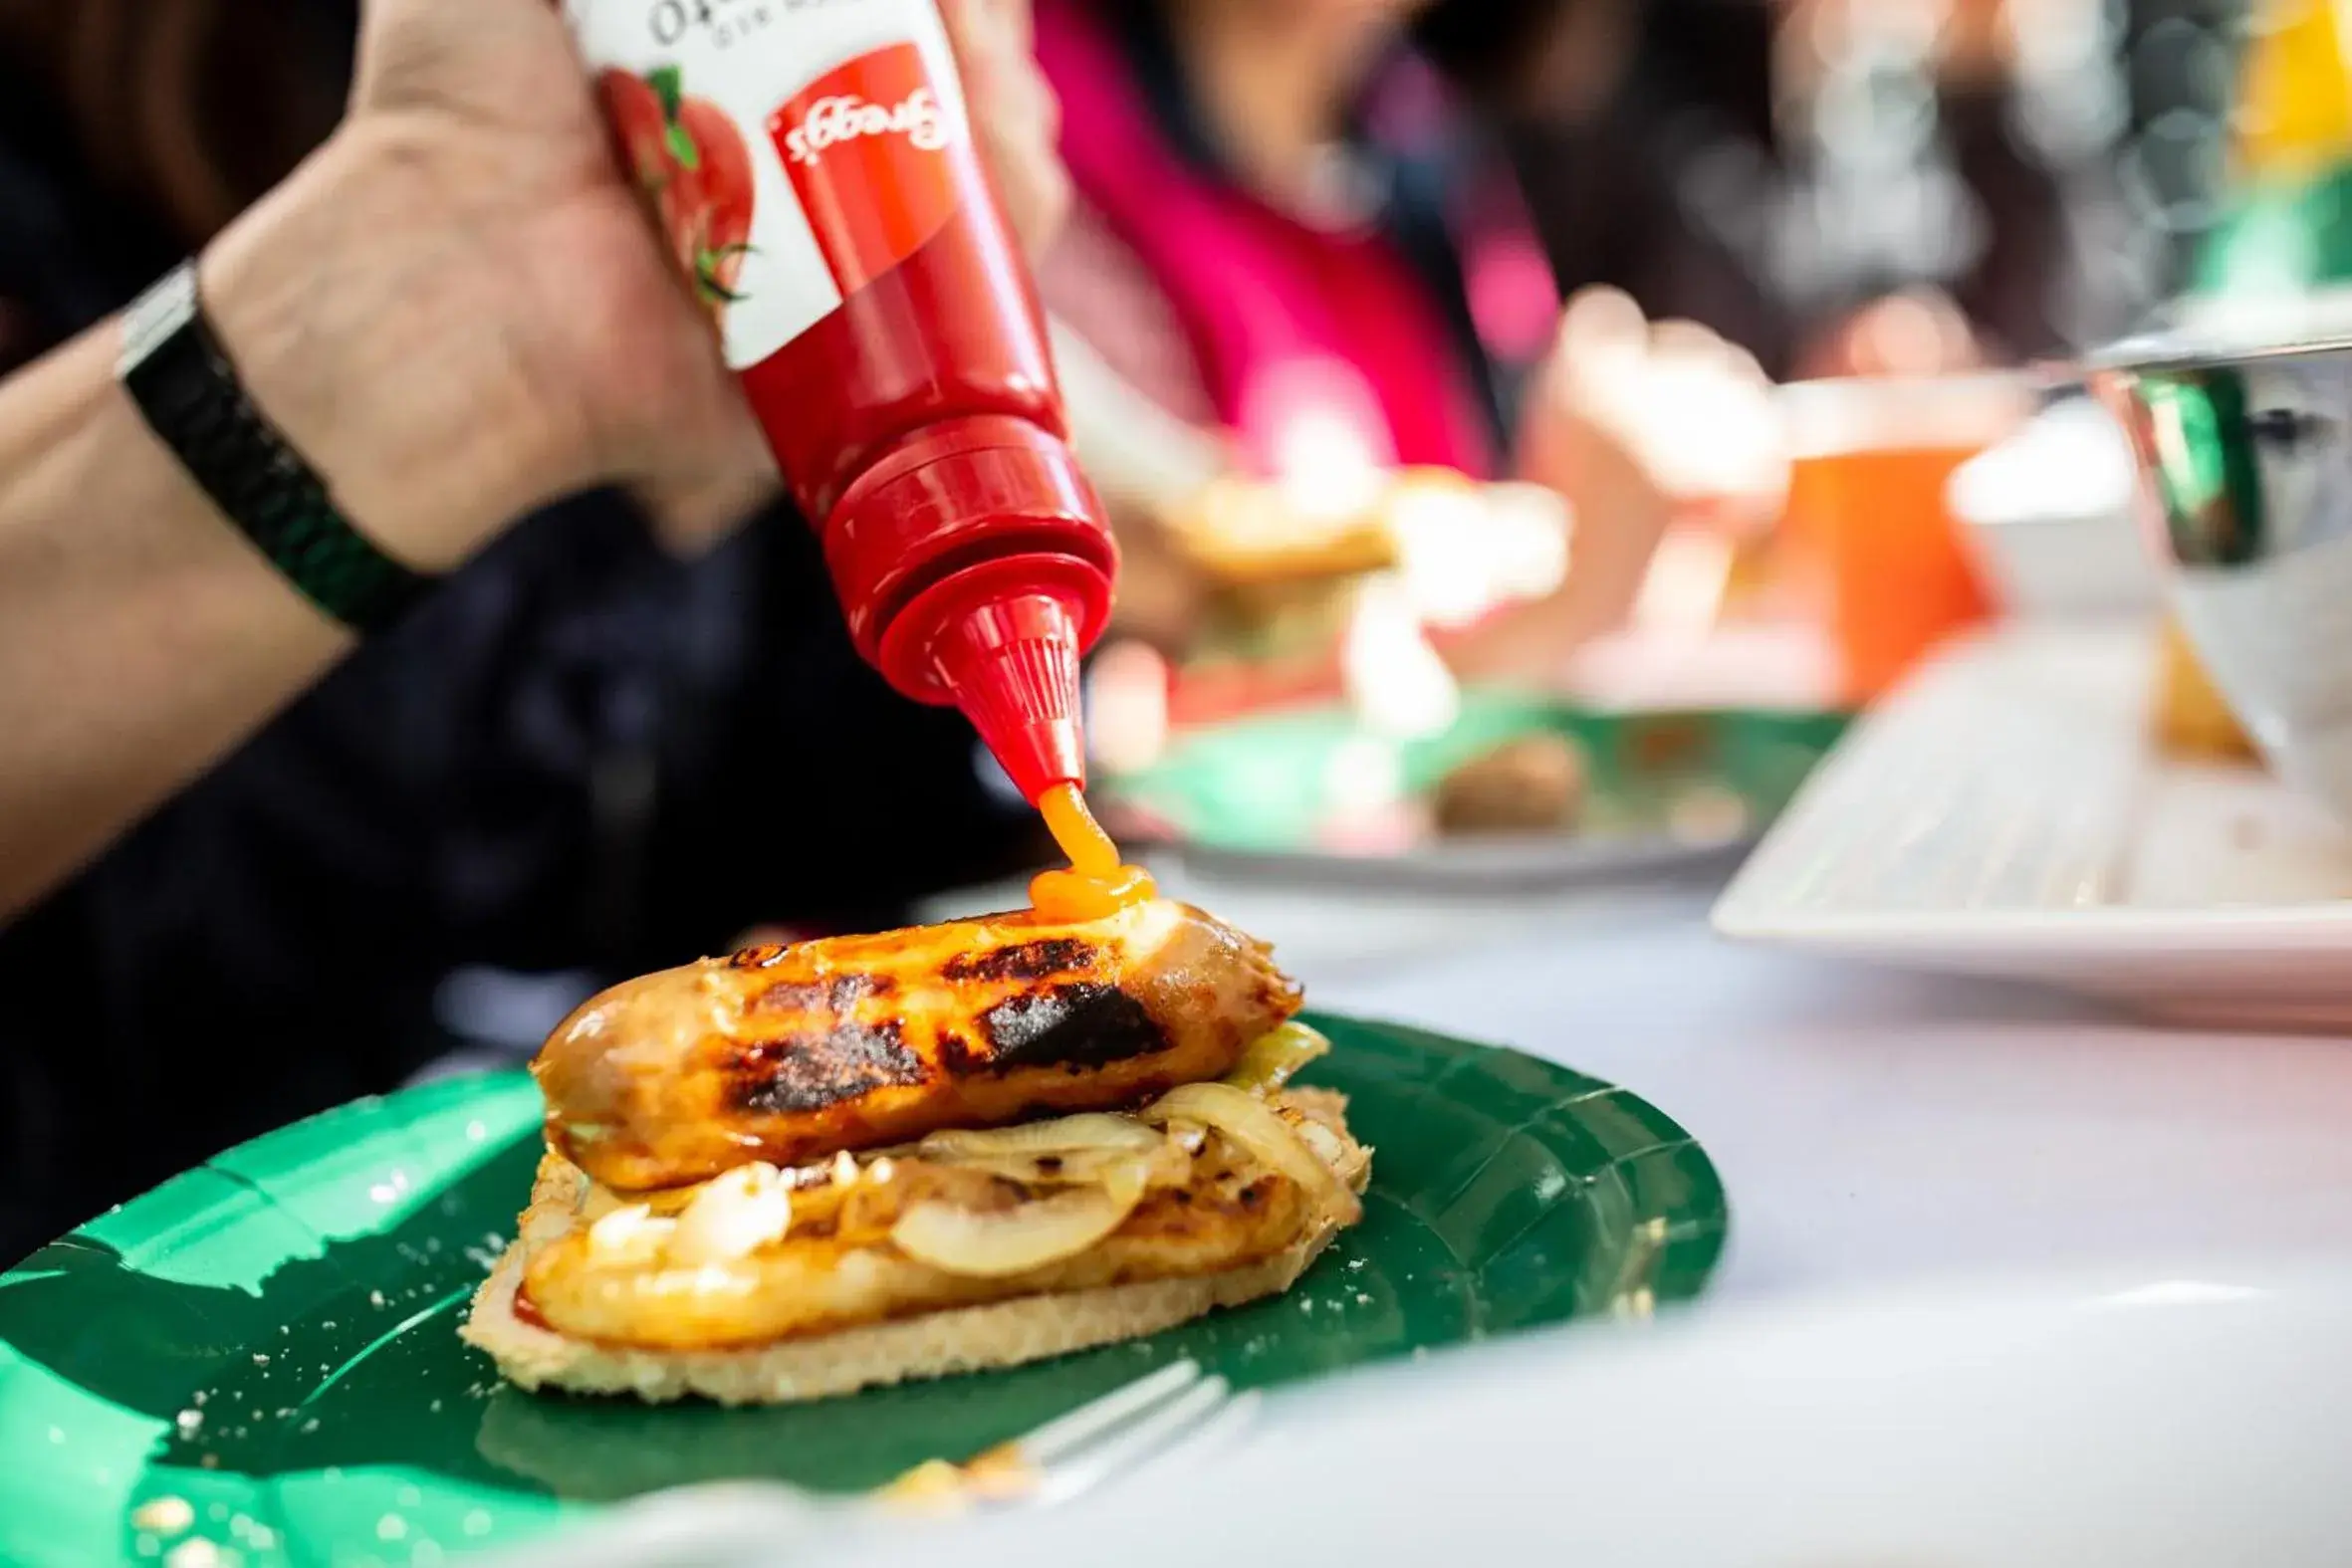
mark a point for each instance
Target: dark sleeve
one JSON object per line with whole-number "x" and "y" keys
{"x": 817, "y": 794}
{"x": 66, "y": 259}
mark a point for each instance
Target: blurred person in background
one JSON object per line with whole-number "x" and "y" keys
{"x": 1293, "y": 230}
{"x": 1842, "y": 186}
{"x": 620, "y": 735}
{"x": 1611, "y": 122}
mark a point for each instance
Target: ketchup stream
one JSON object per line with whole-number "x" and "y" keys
{"x": 1097, "y": 884}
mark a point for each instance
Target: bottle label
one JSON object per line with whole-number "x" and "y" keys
{"x": 867, "y": 149}
{"x": 792, "y": 151}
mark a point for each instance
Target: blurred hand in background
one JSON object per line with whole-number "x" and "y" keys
{"x": 1666, "y": 419}
{"x": 1643, "y": 427}
{"x": 1640, "y": 427}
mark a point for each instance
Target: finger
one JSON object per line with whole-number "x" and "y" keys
{"x": 1603, "y": 346}
{"x": 988, "y": 36}
{"x": 692, "y": 506}
{"x": 1602, "y": 317}
{"x": 1017, "y": 19}
{"x": 1019, "y": 142}
{"x": 1685, "y": 340}
{"x": 1687, "y": 349}
{"x": 689, "y": 519}
{"x": 1016, "y": 114}
{"x": 1743, "y": 365}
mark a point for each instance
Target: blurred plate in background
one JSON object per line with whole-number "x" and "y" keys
{"x": 1313, "y": 793}
{"x": 2008, "y": 814}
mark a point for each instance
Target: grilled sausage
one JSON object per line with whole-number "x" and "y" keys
{"x": 791, "y": 1053}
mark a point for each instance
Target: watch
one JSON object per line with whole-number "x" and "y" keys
{"x": 187, "y": 388}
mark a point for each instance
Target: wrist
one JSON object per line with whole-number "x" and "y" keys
{"x": 326, "y": 295}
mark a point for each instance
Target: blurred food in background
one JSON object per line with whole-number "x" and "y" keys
{"x": 2190, "y": 717}
{"x": 1531, "y": 784}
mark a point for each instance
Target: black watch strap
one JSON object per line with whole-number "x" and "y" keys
{"x": 183, "y": 381}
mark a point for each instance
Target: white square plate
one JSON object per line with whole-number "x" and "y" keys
{"x": 2006, "y": 815}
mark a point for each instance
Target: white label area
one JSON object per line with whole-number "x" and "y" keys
{"x": 680, "y": 77}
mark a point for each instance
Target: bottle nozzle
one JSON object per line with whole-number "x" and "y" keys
{"x": 1012, "y": 665}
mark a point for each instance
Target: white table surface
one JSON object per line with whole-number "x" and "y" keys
{"x": 1872, "y": 1127}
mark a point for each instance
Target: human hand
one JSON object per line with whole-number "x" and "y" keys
{"x": 1643, "y": 426}
{"x": 458, "y": 309}
{"x": 1663, "y": 417}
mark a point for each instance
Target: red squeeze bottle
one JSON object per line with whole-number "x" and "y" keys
{"x": 814, "y": 170}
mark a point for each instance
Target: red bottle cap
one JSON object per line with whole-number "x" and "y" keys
{"x": 975, "y": 567}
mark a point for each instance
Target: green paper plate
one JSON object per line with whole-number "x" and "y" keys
{"x": 266, "y": 1346}
{"x": 1267, "y": 786}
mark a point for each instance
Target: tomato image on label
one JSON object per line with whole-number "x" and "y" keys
{"x": 689, "y": 158}
{"x": 872, "y": 149}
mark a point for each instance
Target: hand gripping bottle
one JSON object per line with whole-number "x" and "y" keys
{"x": 812, "y": 170}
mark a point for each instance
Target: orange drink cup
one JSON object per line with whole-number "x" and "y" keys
{"x": 1867, "y": 519}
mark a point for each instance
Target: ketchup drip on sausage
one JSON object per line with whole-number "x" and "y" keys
{"x": 1096, "y": 885}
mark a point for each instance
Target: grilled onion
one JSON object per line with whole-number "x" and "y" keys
{"x": 990, "y": 1244}
{"x": 1057, "y": 1135}
{"x": 1276, "y": 1057}
{"x": 631, "y": 1235}
{"x": 1165, "y": 1165}
{"x": 1071, "y": 1151}
{"x": 732, "y": 1215}
{"x": 1251, "y": 1123}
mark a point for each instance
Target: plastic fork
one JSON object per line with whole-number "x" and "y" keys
{"x": 1169, "y": 1415}
{"x": 1174, "y": 1407}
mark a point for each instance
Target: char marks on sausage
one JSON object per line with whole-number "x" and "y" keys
{"x": 1076, "y": 1025}
{"x": 808, "y": 1072}
{"x": 1021, "y": 961}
